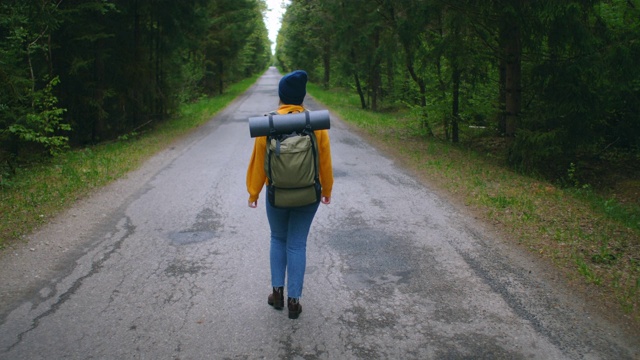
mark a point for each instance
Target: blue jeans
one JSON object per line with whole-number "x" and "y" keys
{"x": 288, "y": 254}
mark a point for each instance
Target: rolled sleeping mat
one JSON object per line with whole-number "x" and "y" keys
{"x": 288, "y": 123}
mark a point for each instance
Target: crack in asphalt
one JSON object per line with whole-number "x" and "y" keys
{"x": 95, "y": 268}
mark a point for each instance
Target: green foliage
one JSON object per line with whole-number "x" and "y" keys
{"x": 256, "y": 53}
{"x": 44, "y": 125}
{"x": 228, "y": 24}
{"x": 559, "y": 78}
{"x": 582, "y": 90}
{"x": 299, "y": 49}
{"x": 123, "y": 66}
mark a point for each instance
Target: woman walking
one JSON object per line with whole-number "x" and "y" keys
{"x": 289, "y": 226}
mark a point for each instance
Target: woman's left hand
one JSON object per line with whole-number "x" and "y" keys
{"x": 326, "y": 200}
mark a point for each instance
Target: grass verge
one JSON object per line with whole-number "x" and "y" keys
{"x": 38, "y": 192}
{"x": 592, "y": 239}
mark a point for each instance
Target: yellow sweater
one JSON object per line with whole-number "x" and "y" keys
{"x": 256, "y": 176}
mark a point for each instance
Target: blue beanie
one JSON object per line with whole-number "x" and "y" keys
{"x": 293, "y": 88}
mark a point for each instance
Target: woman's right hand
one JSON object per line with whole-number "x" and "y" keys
{"x": 253, "y": 204}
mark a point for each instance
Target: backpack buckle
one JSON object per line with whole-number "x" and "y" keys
{"x": 307, "y": 117}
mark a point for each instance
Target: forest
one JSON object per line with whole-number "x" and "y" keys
{"x": 553, "y": 85}
{"x": 557, "y": 83}
{"x": 77, "y": 72}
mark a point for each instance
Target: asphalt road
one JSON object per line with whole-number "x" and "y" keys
{"x": 171, "y": 263}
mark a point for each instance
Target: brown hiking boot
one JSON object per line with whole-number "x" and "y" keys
{"x": 294, "y": 308}
{"x": 276, "y": 299}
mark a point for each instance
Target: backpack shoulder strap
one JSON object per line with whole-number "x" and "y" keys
{"x": 271, "y": 135}
{"x": 314, "y": 144}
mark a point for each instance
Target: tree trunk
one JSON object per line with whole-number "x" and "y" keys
{"x": 326, "y": 59}
{"x": 159, "y": 80}
{"x": 220, "y": 77}
{"x": 359, "y": 88}
{"x": 375, "y": 73}
{"x": 443, "y": 96}
{"x": 390, "y": 77}
{"x": 502, "y": 96}
{"x": 513, "y": 78}
{"x": 100, "y": 118}
{"x": 375, "y": 86}
{"x": 423, "y": 92}
{"x": 50, "y": 56}
{"x": 456, "y": 104}
{"x": 136, "y": 61}
{"x": 456, "y": 72}
{"x": 363, "y": 101}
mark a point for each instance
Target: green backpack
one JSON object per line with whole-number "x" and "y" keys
{"x": 291, "y": 165}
